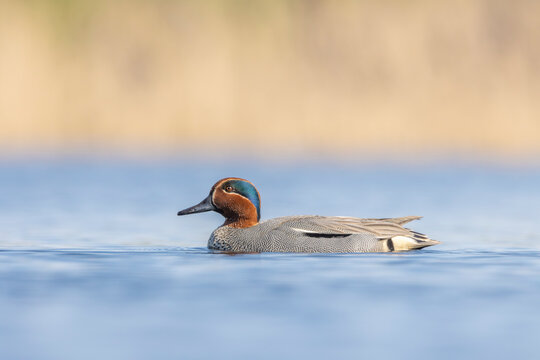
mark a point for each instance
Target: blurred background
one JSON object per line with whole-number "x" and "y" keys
{"x": 275, "y": 78}
{"x": 115, "y": 114}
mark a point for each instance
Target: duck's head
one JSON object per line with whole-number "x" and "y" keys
{"x": 234, "y": 198}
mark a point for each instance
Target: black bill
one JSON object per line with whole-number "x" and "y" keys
{"x": 203, "y": 206}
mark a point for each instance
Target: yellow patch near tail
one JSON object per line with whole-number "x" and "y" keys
{"x": 404, "y": 243}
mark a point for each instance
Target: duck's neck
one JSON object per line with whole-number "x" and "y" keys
{"x": 239, "y": 212}
{"x": 240, "y": 222}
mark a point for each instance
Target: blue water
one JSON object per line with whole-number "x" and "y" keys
{"x": 95, "y": 264}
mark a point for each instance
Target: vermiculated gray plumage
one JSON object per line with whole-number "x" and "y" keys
{"x": 323, "y": 234}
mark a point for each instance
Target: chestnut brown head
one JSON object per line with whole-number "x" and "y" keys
{"x": 236, "y": 199}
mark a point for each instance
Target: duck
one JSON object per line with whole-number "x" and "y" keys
{"x": 243, "y": 231}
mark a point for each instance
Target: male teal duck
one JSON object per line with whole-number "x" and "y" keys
{"x": 239, "y": 202}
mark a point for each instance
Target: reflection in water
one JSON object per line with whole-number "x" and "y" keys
{"x": 95, "y": 264}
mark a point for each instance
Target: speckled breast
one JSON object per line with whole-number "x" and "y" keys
{"x": 218, "y": 240}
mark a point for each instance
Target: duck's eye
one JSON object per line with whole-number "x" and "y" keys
{"x": 228, "y": 188}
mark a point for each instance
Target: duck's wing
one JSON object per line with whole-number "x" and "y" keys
{"x": 339, "y": 225}
{"x": 399, "y": 220}
{"x": 390, "y": 229}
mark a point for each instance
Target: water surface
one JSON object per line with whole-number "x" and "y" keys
{"x": 95, "y": 264}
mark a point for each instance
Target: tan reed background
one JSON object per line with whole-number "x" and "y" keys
{"x": 271, "y": 76}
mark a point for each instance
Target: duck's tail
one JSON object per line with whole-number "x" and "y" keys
{"x": 405, "y": 243}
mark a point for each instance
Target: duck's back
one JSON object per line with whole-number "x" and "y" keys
{"x": 320, "y": 234}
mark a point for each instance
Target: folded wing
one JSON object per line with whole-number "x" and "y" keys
{"x": 388, "y": 229}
